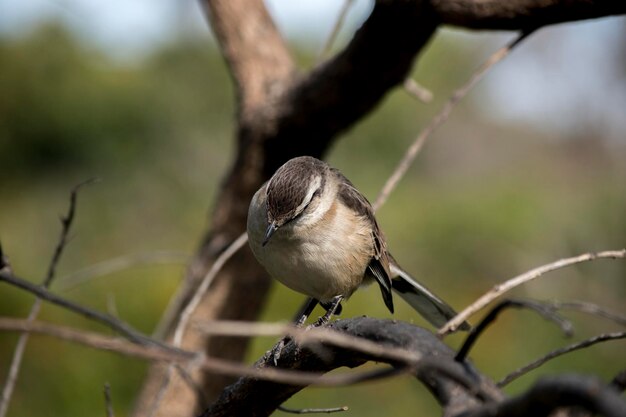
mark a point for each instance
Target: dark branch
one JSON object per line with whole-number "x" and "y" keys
{"x": 549, "y": 394}
{"x": 590, "y": 308}
{"x": 66, "y": 223}
{"x": 619, "y": 381}
{"x": 450, "y": 382}
{"x": 542, "y": 309}
{"x": 559, "y": 352}
{"x": 521, "y": 14}
{"x": 108, "y": 404}
{"x": 112, "y": 322}
{"x": 339, "y": 92}
{"x": 312, "y": 410}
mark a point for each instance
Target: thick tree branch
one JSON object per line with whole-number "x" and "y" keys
{"x": 452, "y": 383}
{"x": 521, "y": 14}
{"x": 254, "y": 50}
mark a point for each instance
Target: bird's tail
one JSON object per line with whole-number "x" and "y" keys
{"x": 431, "y": 307}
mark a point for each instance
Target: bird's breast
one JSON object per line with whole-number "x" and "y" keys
{"x": 321, "y": 259}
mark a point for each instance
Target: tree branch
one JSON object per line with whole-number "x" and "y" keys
{"x": 18, "y": 354}
{"x": 559, "y": 352}
{"x": 254, "y": 50}
{"x": 452, "y": 383}
{"x": 543, "y": 310}
{"x": 103, "y": 318}
{"x": 552, "y": 393}
{"x": 508, "y": 285}
{"x": 521, "y": 14}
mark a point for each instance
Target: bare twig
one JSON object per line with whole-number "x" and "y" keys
{"x": 204, "y": 286}
{"x": 590, "y": 308}
{"x": 18, "y": 353}
{"x": 544, "y": 310}
{"x": 158, "y": 398}
{"x": 107, "y": 400}
{"x": 190, "y": 308}
{"x": 500, "y": 289}
{"x": 167, "y": 377}
{"x": 73, "y": 280}
{"x": 441, "y": 118}
{"x": 203, "y": 401}
{"x": 416, "y": 90}
{"x": 307, "y": 337}
{"x": 559, "y": 352}
{"x": 114, "y": 323}
{"x": 66, "y": 221}
{"x": 312, "y": 410}
{"x": 335, "y": 31}
{"x": 220, "y": 366}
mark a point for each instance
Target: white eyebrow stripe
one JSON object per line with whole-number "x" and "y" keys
{"x": 314, "y": 185}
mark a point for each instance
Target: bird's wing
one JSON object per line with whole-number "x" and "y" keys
{"x": 378, "y": 267}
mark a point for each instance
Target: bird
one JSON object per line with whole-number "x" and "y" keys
{"x": 313, "y": 231}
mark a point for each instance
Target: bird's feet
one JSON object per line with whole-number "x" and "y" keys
{"x": 332, "y": 307}
{"x": 277, "y": 350}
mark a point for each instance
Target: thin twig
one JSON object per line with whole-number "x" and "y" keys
{"x": 441, "y": 118}
{"x": 416, "y": 90}
{"x": 114, "y": 323}
{"x": 556, "y": 353}
{"x": 220, "y": 366}
{"x": 66, "y": 221}
{"x": 203, "y": 401}
{"x": 500, "y": 289}
{"x": 186, "y": 377}
{"x": 590, "y": 308}
{"x": 312, "y": 410}
{"x": 335, "y": 31}
{"x": 20, "y": 347}
{"x": 204, "y": 286}
{"x": 191, "y": 307}
{"x": 544, "y": 310}
{"x": 107, "y": 400}
{"x": 158, "y": 398}
{"x": 307, "y": 337}
{"x": 73, "y": 280}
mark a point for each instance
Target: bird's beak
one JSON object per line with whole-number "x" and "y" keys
{"x": 271, "y": 228}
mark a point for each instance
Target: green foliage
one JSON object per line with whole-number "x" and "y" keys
{"x": 65, "y": 107}
{"x": 61, "y": 109}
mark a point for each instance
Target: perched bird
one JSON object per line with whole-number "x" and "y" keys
{"x": 316, "y": 233}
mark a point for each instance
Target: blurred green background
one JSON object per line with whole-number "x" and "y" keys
{"x": 490, "y": 196}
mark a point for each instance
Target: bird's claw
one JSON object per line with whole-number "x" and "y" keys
{"x": 277, "y": 350}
